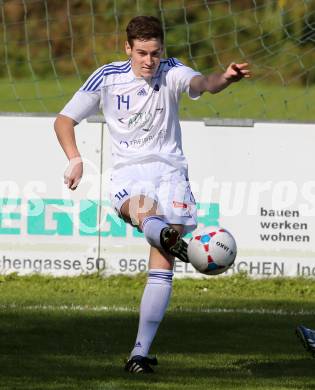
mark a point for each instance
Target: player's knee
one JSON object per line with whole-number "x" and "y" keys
{"x": 137, "y": 208}
{"x": 143, "y": 209}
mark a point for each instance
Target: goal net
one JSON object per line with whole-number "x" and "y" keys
{"x": 49, "y": 47}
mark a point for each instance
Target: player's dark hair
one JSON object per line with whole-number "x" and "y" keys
{"x": 144, "y": 28}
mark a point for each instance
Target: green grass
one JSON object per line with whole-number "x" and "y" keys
{"x": 47, "y": 95}
{"x": 74, "y": 333}
{"x": 246, "y": 99}
{"x": 255, "y": 101}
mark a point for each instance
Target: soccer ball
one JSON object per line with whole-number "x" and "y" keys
{"x": 212, "y": 250}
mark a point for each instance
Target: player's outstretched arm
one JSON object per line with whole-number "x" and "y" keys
{"x": 216, "y": 82}
{"x": 64, "y": 128}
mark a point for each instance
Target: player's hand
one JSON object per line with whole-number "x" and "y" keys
{"x": 73, "y": 173}
{"x": 236, "y": 72}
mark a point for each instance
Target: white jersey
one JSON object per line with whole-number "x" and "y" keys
{"x": 142, "y": 115}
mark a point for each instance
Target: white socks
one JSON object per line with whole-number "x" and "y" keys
{"x": 156, "y": 294}
{"x": 152, "y": 227}
{"x": 154, "y": 303}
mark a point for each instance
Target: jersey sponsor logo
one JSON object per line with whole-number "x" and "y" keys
{"x": 140, "y": 119}
{"x": 142, "y": 92}
{"x": 124, "y": 143}
{"x": 142, "y": 141}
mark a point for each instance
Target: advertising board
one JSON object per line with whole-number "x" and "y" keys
{"x": 253, "y": 178}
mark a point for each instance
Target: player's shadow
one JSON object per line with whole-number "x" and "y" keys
{"x": 231, "y": 333}
{"x": 81, "y": 346}
{"x": 298, "y": 367}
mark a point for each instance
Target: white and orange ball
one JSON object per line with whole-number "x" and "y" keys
{"x": 212, "y": 250}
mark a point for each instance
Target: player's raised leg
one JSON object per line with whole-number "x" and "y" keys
{"x": 142, "y": 211}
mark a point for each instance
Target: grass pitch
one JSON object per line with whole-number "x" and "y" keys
{"x": 247, "y": 99}
{"x": 219, "y": 333}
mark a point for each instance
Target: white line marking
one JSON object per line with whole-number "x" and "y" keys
{"x": 125, "y": 309}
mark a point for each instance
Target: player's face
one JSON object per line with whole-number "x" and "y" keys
{"x": 145, "y": 56}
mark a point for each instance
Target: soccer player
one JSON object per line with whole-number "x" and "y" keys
{"x": 307, "y": 337}
{"x": 149, "y": 183}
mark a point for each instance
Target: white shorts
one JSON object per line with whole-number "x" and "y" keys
{"x": 163, "y": 184}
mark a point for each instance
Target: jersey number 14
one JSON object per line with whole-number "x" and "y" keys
{"x": 122, "y": 99}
